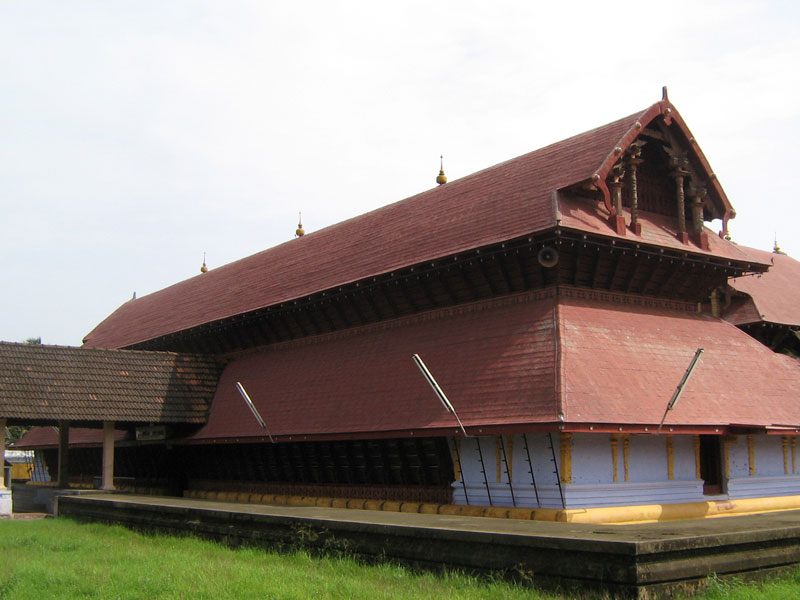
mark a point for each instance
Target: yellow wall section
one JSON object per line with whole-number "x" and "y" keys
{"x": 456, "y": 453}
{"x": 785, "y": 446}
{"x": 565, "y": 447}
{"x": 697, "y": 457}
{"x": 614, "y": 445}
{"x": 626, "y": 450}
{"x": 670, "y": 458}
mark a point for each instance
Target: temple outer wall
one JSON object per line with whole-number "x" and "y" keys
{"x": 604, "y": 470}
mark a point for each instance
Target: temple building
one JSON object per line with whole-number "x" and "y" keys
{"x": 557, "y": 300}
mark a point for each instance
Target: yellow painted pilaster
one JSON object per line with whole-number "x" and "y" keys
{"x": 614, "y": 446}
{"x": 565, "y": 447}
{"x": 510, "y": 456}
{"x": 785, "y": 445}
{"x": 697, "y": 457}
{"x": 626, "y": 450}
{"x": 670, "y": 458}
{"x": 751, "y": 454}
{"x": 456, "y": 453}
{"x": 726, "y": 463}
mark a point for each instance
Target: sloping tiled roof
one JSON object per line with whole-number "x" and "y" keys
{"x": 38, "y": 438}
{"x": 494, "y": 359}
{"x": 775, "y": 295}
{"x": 520, "y": 361}
{"x": 48, "y": 383}
{"x": 621, "y": 364}
{"x": 657, "y": 230}
{"x": 504, "y": 202}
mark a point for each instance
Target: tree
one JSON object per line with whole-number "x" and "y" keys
{"x": 33, "y": 341}
{"x": 14, "y": 432}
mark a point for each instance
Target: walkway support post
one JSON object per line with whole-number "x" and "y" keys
{"x": 5, "y": 493}
{"x": 63, "y": 454}
{"x": 108, "y": 455}
{"x": 2, "y": 454}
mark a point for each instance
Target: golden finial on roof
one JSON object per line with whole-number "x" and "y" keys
{"x": 441, "y": 179}
{"x": 299, "y": 232}
{"x": 777, "y": 249}
{"x": 204, "y": 268}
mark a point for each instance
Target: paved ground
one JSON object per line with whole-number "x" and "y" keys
{"x": 644, "y": 532}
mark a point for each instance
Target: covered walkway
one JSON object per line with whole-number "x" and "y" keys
{"x": 96, "y": 388}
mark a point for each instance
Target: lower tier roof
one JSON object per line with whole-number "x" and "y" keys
{"x": 565, "y": 358}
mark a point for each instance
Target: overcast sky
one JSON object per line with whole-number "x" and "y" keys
{"x": 135, "y": 136}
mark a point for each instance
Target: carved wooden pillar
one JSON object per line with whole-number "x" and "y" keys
{"x": 679, "y": 172}
{"x": 618, "y": 219}
{"x": 698, "y": 201}
{"x": 634, "y": 160}
{"x": 715, "y": 308}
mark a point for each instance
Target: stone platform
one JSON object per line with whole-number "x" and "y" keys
{"x": 636, "y": 561}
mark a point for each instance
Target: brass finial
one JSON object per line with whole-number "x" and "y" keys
{"x": 299, "y": 232}
{"x": 777, "y": 249}
{"x": 204, "y": 268}
{"x": 441, "y": 179}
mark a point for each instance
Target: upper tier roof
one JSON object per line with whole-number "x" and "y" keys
{"x": 510, "y": 200}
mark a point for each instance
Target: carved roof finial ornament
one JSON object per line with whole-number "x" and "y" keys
{"x": 204, "y": 268}
{"x": 441, "y": 179}
{"x": 777, "y": 249}
{"x": 299, "y": 232}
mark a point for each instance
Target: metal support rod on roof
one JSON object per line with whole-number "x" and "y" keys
{"x": 253, "y": 409}
{"x": 681, "y": 385}
{"x": 438, "y": 391}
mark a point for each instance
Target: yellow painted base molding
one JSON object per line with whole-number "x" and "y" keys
{"x": 611, "y": 514}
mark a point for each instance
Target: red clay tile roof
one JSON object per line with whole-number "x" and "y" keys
{"x": 39, "y": 438}
{"x": 775, "y": 295}
{"x": 658, "y": 230}
{"x": 621, "y": 364}
{"x": 507, "y": 201}
{"x": 47, "y": 383}
{"x": 494, "y": 360}
{"x": 518, "y": 361}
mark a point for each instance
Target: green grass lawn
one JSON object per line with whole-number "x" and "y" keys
{"x": 58, "y": 558}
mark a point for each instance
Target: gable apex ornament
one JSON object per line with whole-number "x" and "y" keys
{"x": 441, "y": 179}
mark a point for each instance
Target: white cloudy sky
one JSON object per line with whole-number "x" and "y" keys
{"x": 135, "y": 136}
